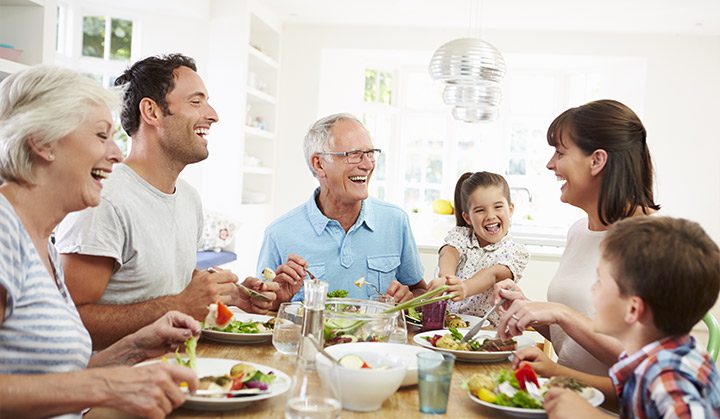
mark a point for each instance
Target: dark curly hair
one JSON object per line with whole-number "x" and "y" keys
{"x": 151, "y": 78}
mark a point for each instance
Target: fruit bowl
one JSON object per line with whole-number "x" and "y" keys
{"x": 352, "y": 320}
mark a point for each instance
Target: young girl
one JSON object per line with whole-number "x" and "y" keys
{"x": 478, "y": 252}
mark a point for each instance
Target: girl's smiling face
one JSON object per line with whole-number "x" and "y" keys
{"x": 489, "y": 213}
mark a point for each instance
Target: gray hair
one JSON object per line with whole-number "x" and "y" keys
{"x": 319, "y": 138}
{"x": 45, "y": 103}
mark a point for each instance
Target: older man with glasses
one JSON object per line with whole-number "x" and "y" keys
{"x": 341, "y": 234}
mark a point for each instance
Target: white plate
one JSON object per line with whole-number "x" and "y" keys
{"x": 471, "y": 320}
{"x": 402, "y": 353}
{"x": 217, "y": 366}
{"x": 591, "y": 394}
{"x": 474, "y": 356}
{"x": 240, "y": 337}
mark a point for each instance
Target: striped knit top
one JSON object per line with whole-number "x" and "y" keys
{"x": 42, "y": 331}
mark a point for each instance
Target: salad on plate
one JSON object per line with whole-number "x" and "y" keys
{"x": 510, "y": 391}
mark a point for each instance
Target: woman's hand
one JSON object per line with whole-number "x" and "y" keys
{"x": 524, "y": 313}
{"x": 150, "y": 391}
{"x": 509, "y": 290}
{"x": 537, "y": 359}
{"x": 164, "y": 335}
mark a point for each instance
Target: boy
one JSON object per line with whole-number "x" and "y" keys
{"x": 657, "y": 277}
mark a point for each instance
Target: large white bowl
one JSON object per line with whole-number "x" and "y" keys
{"x": 363, "y": 390}
{"x": 402, "y": 353}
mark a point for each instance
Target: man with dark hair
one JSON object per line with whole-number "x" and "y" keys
{"x": 132, "y": 258}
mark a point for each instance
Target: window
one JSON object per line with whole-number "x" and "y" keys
{"x": 425, "y": 149}
{"x": 94, "y": 41}
{"x": 99, "y": 44}
{"x": 107, "y": 38}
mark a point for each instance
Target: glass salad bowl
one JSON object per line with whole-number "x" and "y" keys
{"x": 352, "y": 320}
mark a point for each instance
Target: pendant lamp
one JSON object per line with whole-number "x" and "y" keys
{"x": 472, "y": 70}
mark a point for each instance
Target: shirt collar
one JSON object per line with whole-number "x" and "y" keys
{"x": 319, "y": 221}
{"x": 475, "y": 244}
{"x": 627, "y": 364}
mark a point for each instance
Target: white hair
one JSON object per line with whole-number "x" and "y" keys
{"x": 319, "y": 137}
{"x": 44, "y": 103}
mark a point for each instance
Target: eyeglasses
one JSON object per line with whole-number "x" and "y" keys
{"x": 355, "y": 156}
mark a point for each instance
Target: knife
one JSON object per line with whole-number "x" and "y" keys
{"x": 475, "y": 329}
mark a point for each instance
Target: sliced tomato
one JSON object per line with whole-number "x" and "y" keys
{"x": 524, "y": 374}
{"x": 224, "y": 315}
{"x": 237, "y": 383}
{"x": 434, "y": 339}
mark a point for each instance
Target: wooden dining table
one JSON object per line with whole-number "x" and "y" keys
{"x": 403, "y": 404}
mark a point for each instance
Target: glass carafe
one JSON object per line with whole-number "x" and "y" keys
{"x": 313, "y": 396}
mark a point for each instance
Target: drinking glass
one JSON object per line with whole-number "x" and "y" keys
{"x": 433, "y": 316}
{"x": 288, "y": 328}
{"x": 434, "y": 373}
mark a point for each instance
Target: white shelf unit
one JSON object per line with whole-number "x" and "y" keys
{"x": 27, "y": 25}
{"x": 261, "y": 111}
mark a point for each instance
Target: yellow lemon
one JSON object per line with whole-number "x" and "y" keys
{"x": 486, "y": 395}
{"x": 442, "y": 206}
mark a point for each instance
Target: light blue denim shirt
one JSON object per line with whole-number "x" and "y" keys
{"x": 379, "y": 246}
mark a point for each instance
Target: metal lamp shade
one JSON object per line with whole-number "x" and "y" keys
{"x": 472, "y": 70}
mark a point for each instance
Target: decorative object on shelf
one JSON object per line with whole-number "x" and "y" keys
{"x": 260, "y": 123}
{"x": 218, "y": 233}
{"x": 251, "y": 161}
{"x": 472, "y": 70}
{"x": 9, "y": 52}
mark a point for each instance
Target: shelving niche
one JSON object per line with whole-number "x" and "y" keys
{"x": 27, "y": 25}
{"x": 260, "y": 112}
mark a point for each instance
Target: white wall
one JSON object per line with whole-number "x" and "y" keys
{"x": 683, "y": 83}
{"x": 680, "y": 107}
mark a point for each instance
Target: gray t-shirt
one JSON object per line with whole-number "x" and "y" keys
{"x": 152, "y": 236}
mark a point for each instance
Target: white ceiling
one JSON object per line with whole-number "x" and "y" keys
{"x": 701, "y": 17}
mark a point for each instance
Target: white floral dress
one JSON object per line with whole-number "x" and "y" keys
{"x": 473, "y": 258}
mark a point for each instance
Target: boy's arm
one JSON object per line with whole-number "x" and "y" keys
{"x": 545, "y": 367}
{"x": 675, "y": 396}
{"x": 562, "y": 403}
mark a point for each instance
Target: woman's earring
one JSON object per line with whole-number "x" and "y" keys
{"x": 51, "y": 156}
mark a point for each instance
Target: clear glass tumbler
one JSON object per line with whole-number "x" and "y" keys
{"x": 434, "y": 374}
{"x": 288, "y": 328}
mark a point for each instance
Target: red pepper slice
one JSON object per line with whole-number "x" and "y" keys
{"x": 524, "y": 374}
{"x": 224, "y": 315}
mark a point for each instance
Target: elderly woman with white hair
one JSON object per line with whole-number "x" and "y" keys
{"x": 56, "y": 147}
